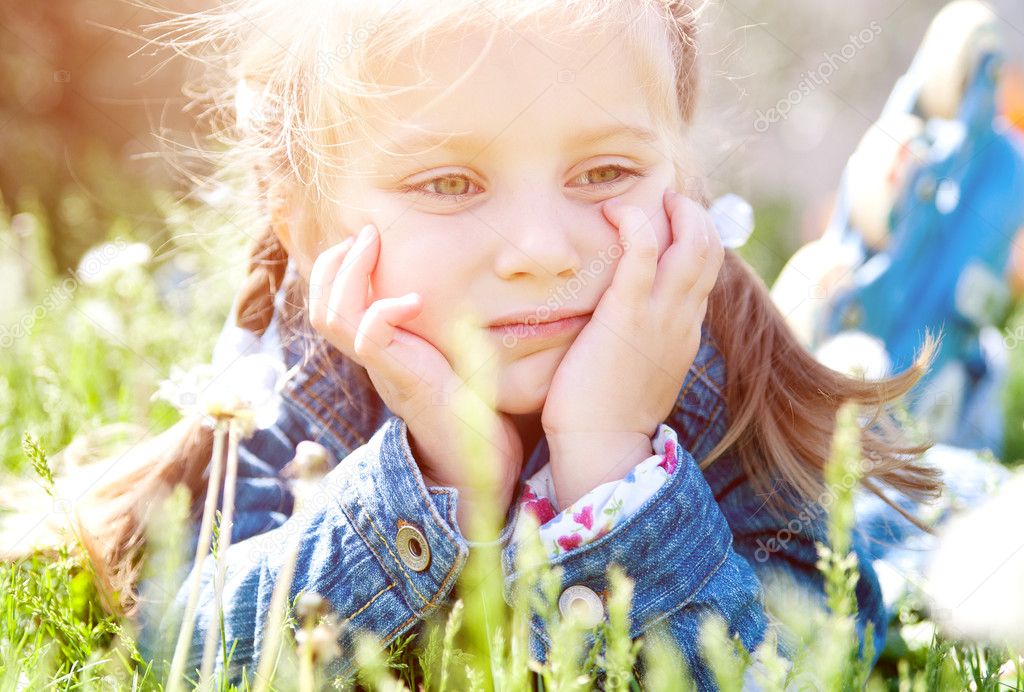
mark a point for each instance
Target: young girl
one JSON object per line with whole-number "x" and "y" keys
{"x": 520, "y": 168}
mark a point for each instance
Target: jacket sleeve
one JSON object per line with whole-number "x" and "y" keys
{"x": 692, "y": 551}
{"x": 353, "y": 540}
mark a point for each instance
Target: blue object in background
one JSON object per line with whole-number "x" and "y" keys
{"x": 935, "y": 259}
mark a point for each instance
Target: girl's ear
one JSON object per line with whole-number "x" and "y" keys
{"x": 280, "y": 222}
{"x": 289, "y": 222}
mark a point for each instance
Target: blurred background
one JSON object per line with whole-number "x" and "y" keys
{"x": 117, "y": 272}
{"x": 758, "y": 53}
{"x": 89, "y": 113}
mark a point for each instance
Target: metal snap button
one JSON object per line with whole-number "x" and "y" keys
{"x": 412, "y": 547}
{"x": 581, "y": 602}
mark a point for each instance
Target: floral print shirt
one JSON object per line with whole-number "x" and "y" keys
{"x": 604, "y": 507}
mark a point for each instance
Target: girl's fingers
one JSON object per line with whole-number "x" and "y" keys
{"x": 634, "y": 276}
{"x": 378, "y": 330}
{"x": 321, "y": 278}
{"x": 348, "y": 295}
{"x": 713, "y": 253}
{"x": 673, "y": 203}
{"x": 713, "y": 264}
{"x": 690, "y": 226}
{"x": 695, "y": 252}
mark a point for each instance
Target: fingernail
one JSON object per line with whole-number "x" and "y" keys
{"x": 366, "y": 234}
{"x": 613, "y": 203}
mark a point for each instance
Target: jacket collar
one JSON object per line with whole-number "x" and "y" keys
{"x": 331, "y": 394}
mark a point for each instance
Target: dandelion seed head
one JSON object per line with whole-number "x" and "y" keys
{"x": 246, "y": 392}
{"x": 323, "y": 642}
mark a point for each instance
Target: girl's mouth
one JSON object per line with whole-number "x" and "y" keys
{"x": 511, "y": 333}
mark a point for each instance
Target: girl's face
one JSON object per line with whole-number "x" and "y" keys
{"x": 506, "y": 218}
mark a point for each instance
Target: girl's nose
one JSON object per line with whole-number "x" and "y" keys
{"x": 542, "y": 248}
{"x": 536, "y": 233}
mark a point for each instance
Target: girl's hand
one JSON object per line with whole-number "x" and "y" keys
{"x": 622, "y": 375}
{"x": 412, "y": 377}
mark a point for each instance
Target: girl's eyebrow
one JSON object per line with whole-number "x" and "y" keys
{"x": 637, "y": 132}
{"x": 472, "y": 141}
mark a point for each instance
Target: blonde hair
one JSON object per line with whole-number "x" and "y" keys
{"x": 288, "y": 85}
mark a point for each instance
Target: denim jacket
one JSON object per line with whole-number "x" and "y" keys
{"x": 701, "y": 544}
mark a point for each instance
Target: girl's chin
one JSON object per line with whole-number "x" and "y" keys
{"x": 521, "y": 407}
{"x": 524, "y": 384}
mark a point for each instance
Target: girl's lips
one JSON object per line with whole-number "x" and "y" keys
{"x": 539, "y": 330}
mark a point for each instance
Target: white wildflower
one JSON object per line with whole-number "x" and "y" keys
{"x": 246, "y": 391}
{"x": 320, "y": 629}
{"x": 100, "y": 316}
{"x": 311, "y": 461}
{"x": 734, "y": 218}
{"x": 855, "y": 353}
{"x": 102, "y": 262}
{"x": 322, "y": 640}
{"x": 976, "y": 573}
{"x": 310, "y": 605}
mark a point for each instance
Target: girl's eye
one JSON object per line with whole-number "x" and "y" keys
{"x": 607, "y": 176}
{"x": 455, "y": 187}
{"x": 446, "y": 187}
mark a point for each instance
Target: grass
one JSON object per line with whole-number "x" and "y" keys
{"x": 94, "y": 356}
